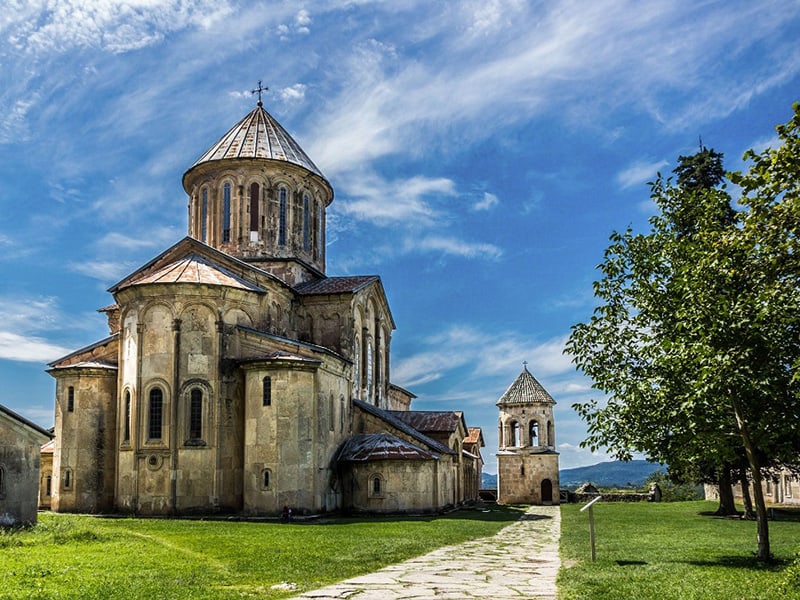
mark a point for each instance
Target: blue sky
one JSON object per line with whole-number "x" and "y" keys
{"x": 481, "y": 153}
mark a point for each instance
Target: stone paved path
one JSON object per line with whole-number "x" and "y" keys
{"x": 520, "y": 561}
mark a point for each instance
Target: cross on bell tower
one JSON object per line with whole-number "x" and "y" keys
{"x": 258, "y": 90}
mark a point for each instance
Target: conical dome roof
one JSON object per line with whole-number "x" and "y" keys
{"x": 525, "y": 390}
{"x": 258, "y": 135}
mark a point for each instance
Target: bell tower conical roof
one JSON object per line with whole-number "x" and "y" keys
{"x": 525, "y": 390}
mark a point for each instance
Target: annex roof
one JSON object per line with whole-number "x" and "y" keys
{"x": 30, "y": 425}
{"x": 525, "y": 390}
{"x": 335, "y": 285}
{"x": 258, "y": 135}
{"x": 390, "y": 419}
{"x": 364, "y": 447}
{"x": 474, "y": 436}
{"x": 430, "y": 421}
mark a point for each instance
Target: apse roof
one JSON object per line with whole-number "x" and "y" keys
{"x": 193, "y": 268}
{"x": 258, "y": 135}
{"x": 526, "y": 390}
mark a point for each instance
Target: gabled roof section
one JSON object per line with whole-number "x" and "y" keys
{"x": 389, "y": 418}
{"x": 192, "y": 261}
{"x": 33, "y": 427}
{"x": 258, "y": 135}
{"x": 475, "y": 436}
{"x": 335, "y": 285}
{"x": 525, "y": 390}
{"x": 431, "y": 421}
{"x": 91, "y": 354}
{"x": 193, "y": 268}
{"x": 366, "y": 447}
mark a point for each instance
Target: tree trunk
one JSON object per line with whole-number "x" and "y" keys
{"x": 749, "y": 514}
{"x": 727, "y": 507}
{"x": 762, "y": 527}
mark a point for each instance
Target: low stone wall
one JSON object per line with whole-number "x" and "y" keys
{"x": 616, "y": 497}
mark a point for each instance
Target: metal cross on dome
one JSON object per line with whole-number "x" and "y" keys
{"x": 258, "y": 91}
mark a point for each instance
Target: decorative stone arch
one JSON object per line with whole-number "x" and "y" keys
{"x": 237, "y": 316}
{"x": 376, "y": 485}
{"x": 196, "y": 422}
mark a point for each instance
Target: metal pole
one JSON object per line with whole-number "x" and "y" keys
{"x": 591, "y": 531}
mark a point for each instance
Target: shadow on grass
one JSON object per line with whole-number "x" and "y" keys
{"x": 497, "y": 514}
{"x": 630, "y": 563}
{"x": 741, "y": 562}
{"x": 783, "y": 513}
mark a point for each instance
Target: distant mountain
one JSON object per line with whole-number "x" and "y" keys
{"x": 607, "y": 474}
{"x": 610, "y": 474}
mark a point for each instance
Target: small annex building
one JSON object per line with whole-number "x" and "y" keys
{"x": 20, "y": 441}
{"x": 238, "y": 376}
{"x": 527, "y": 461}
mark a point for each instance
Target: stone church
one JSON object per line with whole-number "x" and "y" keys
{"x": 238, "y": 377}
{"x": 527, "y": 461}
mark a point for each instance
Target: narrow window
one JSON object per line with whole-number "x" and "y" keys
{"x": 265, "y": 479}
{"x": 330, "y": 412}
{"x": 318, "y": 228}
{"x": 2, "y": 480}
{"x": 282, "y": 217}
{"x": 196, "y": 414}
{"x": 48, "y": 485}
{"x": 788, "y": 486}
{"x": 156, "y": 415}
{"x": 370, "y": 371}
{"x": 254, "y": 220}
{"x": 376, "y": 486}
{"x": 70, "y": 399}
{"x": 204, "y": 216}
{"x": 341, "y": 413}
{"x": 306, "y": 224}
{"x": 127, "y": 416}
{"x": 356, "y": 368}
{"x": 67, "y": 479}
{"x": 266, "y": 391}
{"x": 226, "y": 212}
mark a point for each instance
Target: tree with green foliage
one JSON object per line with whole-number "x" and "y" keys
{"x": 696, "y": 342}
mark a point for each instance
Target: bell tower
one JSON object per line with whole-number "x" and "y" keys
{"x": 256, "y": 195}
{"x": 527, "y": 461}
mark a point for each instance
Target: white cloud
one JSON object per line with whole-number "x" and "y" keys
{"x": 639, "y": 173}
{"x": 452, "y": 246}
{"x": 26, "y": 348}
{"x": 106, "y": 271}
{"x": 488, "y": 201}
{"x": 293, "y": 93}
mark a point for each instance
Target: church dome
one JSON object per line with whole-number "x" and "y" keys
{"x": 257, "y": 196}
{"x": 258, "y": 135}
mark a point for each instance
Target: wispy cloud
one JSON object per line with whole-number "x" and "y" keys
{"x": 639, "y": 173}
{"x": 22, "y": 322}
{"x": 488, "y": 201}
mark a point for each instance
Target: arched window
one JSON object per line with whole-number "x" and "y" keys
{"x": 70, "y": 399}
{"x": 204, "y": 216}
{"x": 331, "y": 416}
{"x": 48, "y": 485}
{"x": 533, "y": 433}
{"x": 341, "y": 413}
{"x": 356, "y": 368}
{"x": 282, "y": 216}
{"x": 266, "y": 475}
{"x": 254, "y": 199}
{"x": 155, "y": 414}
{"x": 127, "y": 435}
{"x": 67, "y": 479}
{"x": 318, "y": 230}
{"x": 370, "y": 370}
{"x": 306, "y": 224}
{"x": 515, "y": 441}
{"x": 266, "y": 391}
{"x": 196, "y": 414}
{"x": 226, "y": 212}
{"x": 377, "y": 487}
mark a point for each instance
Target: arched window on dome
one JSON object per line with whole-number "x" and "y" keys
{"x": 357, "y": 368}
{"x": 226, "y": 213}
{"x": 306, "y": 224}
{"x": 318, "y": 241}
{"x": 282, "y": 216}
{"x": 204, "y": 215}
{"x": 254, "y": 201}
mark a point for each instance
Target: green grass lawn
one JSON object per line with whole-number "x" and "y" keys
{"x": 71, "y": 556}
{"x": 671, "y": 550}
